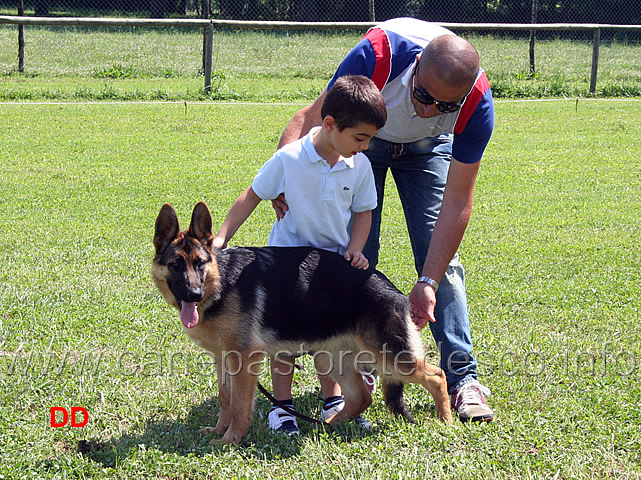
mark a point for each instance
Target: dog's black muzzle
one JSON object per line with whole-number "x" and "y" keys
{"x": 186, "y": 293}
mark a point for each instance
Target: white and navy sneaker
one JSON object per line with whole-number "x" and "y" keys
{"x": 283, "y": 421}
{"x": 334, "y": 406}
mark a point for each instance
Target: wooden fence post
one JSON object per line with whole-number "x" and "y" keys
{"x": 206, "y": 13}
{"x": 207, "y": 55}
{"x": 535, "y": 8}
{"x": 596, "y": 43}
{"x": 21, "y": 38}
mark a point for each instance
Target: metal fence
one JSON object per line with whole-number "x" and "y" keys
{"x": 580, "y": 19}
{"x": 622, "y": 12}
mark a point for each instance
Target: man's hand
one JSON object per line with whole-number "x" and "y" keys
{"x": 423, "y": 301}
{"x": 357, "y": 259}
{"x": 280, "y": 205}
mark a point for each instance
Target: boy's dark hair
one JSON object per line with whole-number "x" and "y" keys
{"x": 354, "y": 99}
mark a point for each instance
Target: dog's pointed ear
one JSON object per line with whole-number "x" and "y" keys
{"x": 201, "y": 223}
{"x": 166, "y": 228}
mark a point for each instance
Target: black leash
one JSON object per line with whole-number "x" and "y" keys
{"x": 288, "y": 409}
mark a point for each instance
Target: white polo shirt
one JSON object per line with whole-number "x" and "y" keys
{"x": 321, "y": 199}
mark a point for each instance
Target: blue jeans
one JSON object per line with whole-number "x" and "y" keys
{"x": 420, "y": 172}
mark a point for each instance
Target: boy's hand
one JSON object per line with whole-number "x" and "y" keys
{"x": 219, "y": 242}
{"x": 357, "y": 259}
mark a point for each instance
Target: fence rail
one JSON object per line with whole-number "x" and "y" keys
{"x": 282, "y": 25}
{"x": 209, "y": 24}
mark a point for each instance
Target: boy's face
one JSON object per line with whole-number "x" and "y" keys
{"x": 352, "y": 140}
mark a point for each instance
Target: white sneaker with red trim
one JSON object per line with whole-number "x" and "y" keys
{"x": 469, "y": 402}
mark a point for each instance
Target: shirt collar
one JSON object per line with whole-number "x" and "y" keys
{"x": 348, "y": 161}
{"x": 315, "y": 157}
{"x": 407, "y": 76}
{"x": 309, "y": 146}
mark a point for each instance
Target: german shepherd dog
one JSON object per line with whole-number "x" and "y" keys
{"x": 242, "y": 304}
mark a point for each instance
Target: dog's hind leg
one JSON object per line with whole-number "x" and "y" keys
{"x": 434, "y": 381}
{"x": 409, "y": 366}
{"x": 393, "y": 396}
{"x": 357, "y": 396}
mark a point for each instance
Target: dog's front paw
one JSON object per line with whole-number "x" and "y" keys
{"x": 221, "y": 426}
{"x": 230, "y": 437}
{"x": 209, "y": 431}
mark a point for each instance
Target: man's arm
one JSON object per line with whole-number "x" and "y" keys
{"x": 452, "y": 221}
{"x": 303, "y": 121}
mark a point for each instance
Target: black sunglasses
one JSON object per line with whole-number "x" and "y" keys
{"x": 426, "y": 99}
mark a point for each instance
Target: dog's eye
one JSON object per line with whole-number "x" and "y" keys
{"x": 177, "y": 262}
{"x": 200, "y": 262}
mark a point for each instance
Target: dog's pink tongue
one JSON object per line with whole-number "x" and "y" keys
{"x": 189, "y": 314}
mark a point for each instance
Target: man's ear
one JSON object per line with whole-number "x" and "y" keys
{"x": 201, "y": 224}
{"x": 166, "y": 228}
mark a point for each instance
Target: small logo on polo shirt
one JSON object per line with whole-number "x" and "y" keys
{"x": 346, "y": 187}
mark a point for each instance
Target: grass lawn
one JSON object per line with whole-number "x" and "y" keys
{"x": 553, "y": 272}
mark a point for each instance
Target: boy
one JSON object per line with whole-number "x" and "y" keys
{"x": 330, "y": 185}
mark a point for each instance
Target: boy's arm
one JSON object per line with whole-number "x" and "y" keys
{"x": 239, "y": 212}
{"x": 361, "y": 225}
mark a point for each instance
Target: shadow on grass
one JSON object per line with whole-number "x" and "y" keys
{"x": 182, "y": 436}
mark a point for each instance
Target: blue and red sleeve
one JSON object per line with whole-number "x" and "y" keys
{"x": 475, "y": 123}
{"x": 361, "y": 60}
{"x": 380, "y": 55}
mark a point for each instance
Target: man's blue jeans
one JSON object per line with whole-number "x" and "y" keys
{"x": 420, "y": 172}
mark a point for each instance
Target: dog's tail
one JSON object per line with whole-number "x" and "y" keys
{"x": 393, "y": 396}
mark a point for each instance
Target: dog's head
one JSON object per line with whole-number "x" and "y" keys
{"x": 184, "y": 261}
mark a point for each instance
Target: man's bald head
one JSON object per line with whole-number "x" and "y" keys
{"x": 453, "y": 59}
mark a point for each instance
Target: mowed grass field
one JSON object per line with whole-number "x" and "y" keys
{"x": 553, "y": 273}
{"x": 106, "y": 63}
